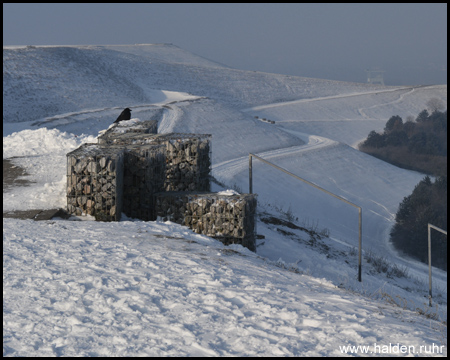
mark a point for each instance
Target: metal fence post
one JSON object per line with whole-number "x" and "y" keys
{"x": 317, "y": 187}
{"x": 360, "y": 244}
{"x": 429, "y": 257}
{"x": 250, "y": 175}
{"x": 429, "y": 265}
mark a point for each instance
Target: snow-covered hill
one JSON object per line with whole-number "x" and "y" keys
{"x": 44, "y": 81}
{"x": 62, "y": 96}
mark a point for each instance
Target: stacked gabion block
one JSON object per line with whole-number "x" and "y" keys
{"x": 229, "y": 218}
{"x": 143, "y": 176}
{"x": 188, "y": 158}
{"x": 149, "y": 176}
{"x": 95, "y": 181}
{"x": 129, "y": 126}
{"x": 188, "y": 162}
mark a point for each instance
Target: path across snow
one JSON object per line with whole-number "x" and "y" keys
{"x": 230, "y": 168}
{"x": 341, "y": 96}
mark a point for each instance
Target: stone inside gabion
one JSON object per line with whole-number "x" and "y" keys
{"x": 188, "y": 158}
{"x": 228, "y": 218}
{"x": 95, "y": 182}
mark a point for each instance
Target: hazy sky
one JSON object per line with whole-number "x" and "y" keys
{"x": 331, "y": 41}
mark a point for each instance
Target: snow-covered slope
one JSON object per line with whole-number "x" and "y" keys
{"x": 63, "y": 96}
{"x": 44, "y": 81}
{"x": 154, "y": 289}
{"x": 348, "y": 117}
{"x": 165, "y": 52}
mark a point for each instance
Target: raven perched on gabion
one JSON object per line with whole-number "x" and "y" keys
{"x": 124, "y": 115}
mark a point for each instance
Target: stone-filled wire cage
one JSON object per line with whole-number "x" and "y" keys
{"x": 188, "y": 158}
{"x": 124, "y": 127}
{"x": 229, "y": 218}
{"x": 144, "y": 169}
{"x": 95, "y": 181}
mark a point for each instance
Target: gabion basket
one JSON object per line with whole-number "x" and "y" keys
{"x": 229, "y": 218}
{"x": 95, "y": 181}
{"x": 188, "y": 158}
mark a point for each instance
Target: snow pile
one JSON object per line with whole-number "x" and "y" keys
{"x": 41, "y": 142}
{"x": 228, "y": 192}
{"x": 42, "y": 153}
{"x": 125, "y": 125}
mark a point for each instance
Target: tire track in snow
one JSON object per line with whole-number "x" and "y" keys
{"x": 62, "y": 119}
{"x": 171, "y": 115}
{"x": 235, "y": 166}
{"x": 400, "y": 98}
{"x": 261, "y": 107}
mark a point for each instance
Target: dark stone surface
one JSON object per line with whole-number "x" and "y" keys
{"x": 37, "y": 214}
{"x": 11, "y": 173}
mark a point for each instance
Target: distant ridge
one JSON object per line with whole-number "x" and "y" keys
{"x": 42, "y": 81}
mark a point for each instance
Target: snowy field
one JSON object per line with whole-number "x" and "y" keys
{"x": 133, "y": 288}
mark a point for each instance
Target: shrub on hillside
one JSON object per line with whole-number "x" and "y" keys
{"x": 427, "y": 204}
{"x": 419, "y": 145}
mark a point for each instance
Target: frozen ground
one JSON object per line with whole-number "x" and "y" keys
{"x": 157, "y": 289}
{"x": 136, "y": 288}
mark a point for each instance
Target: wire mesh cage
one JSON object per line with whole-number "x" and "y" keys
{"x": 229, "y": 218}
{"x": 188, "y": 158}
{"x": 95, "y": 181}
{"x": 129, "y": 126}
{"x": 188, "y": 162}
{"x": 132, "y": 138}
{"x": 144, "y": 169}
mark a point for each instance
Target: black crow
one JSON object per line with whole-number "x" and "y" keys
{"x": 124, "y": 115}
